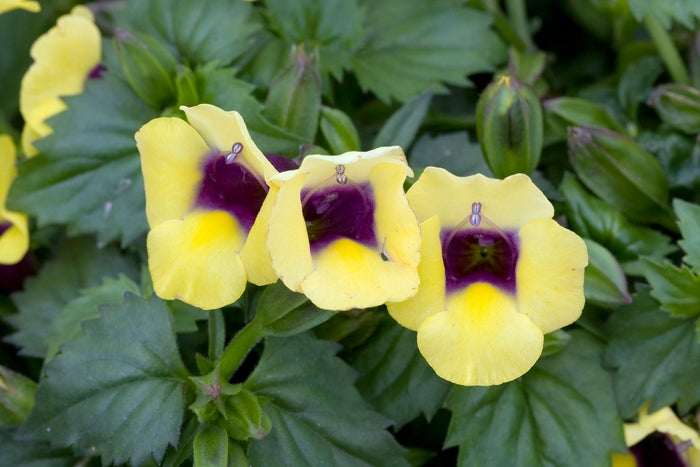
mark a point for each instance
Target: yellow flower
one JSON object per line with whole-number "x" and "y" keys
{"x": 342, "y": 232}
{"x": 64, "y": 57}
{"x": 658, "y": 437}
{"x": 7, "y": 5}
{"x": 14, "y": 233}
{"x": 496, "y": 271}
{"x": 205, "y": 185}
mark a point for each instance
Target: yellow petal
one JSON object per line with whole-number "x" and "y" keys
{"x": 288, "y": 241}
{"x": 350, "y": 275}
{"x": 196, "y": 259}
{"x": 171, "y": 158}
{"x": 29, "y": 135}
{"x": 508, "y": 203}
{"x": 480, "y": 339}
{"x": 8, "y": 156}
{"x": 63, "y": 58}
{"x": 430, "y": 298}
{"x": 663, "y": 420}
{"x": 14, "y": 242}
{"x": 550, "y": 274}
{"x": 7, "y": 5}
{"x": 254, "y": 254}
{"x": 623, "y": 460}
{"x": 221, "y": 129}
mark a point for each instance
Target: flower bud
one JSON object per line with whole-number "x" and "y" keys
{"x": 509, "y": 127}
{"x": 678, "y": 105}
{"x": 245, "y": 418}
{"x": 294, "y": 100}
{"x": 622, "y": 173}
{"x": 148, "y": 66}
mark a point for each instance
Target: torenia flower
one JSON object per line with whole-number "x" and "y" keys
{"x": 496, "y": 271}
{"x": 659, "y": 438}
{"x": 342, "y": 232}
{"x": 64, "y": 57}
{"x": 205, "y": 185}
{"x": 14, "y": 233}
{"x": 7, "y": 5}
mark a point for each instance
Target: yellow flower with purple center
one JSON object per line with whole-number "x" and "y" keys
{"x": 205, "y": 186}
{"x": 342, "y": 232}
{"x": 64, "y": 58}
{"x": 496, "y": 271}
{"x": 7, "y": 5}
{"x": 14, "y": 233}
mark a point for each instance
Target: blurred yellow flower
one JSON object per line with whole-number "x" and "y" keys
{"x": 64, "y": 58}
{"x": 205, "y": 186}
{"x": 496, "y": 274}
{"x": 7, "y": 5}
{"x": 14, "y": 233}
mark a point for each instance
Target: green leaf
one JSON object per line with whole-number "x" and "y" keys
{"x": 562, "y": 412}
{"x": 683, "y": 11}
{"x": 593, "y": 218}
{"x": 636, "y": 82}
{"x": 657, "y": 357}
{"x": 66, "y": 325}
{"x": 605, "y": 283}
{"x": 16, "y": 396}
{"x": 412, "y": 47}
{"x": 689, "y": 223}
{"x": 79, "y": 264}
{"x": 403, "y": 125}
{"x": 201, "y": 32}
{"x": 677, "y": 289}
{"x": 338, "y": 130}
{"x": 573, "y": 111}
{"x": 395, "y": 378}
{"x": 119, "y": 388}
{"x": 451, "y": 151}
{"x": 88, "y": 175}
{"x": 318, "y": 417}
{"x": 678, "y": 155}
{"x": 31, "y": 454}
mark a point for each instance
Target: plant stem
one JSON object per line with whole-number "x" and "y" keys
{"x": 518, "y": 18}
{"x": 216, "y": 334}
{"x": 239, "y": 347}
{"x": 667, "y": 49}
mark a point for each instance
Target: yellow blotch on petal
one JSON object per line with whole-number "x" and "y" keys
{"x": 550, "y": 274}
{"x": 172, "y": 154}
{"x": 430, "y": 298}
{"x": 14, "y": 240}
{"x": 7, "y": 5}
{"x": 63, "y": 58}
{"x": 196, "y": 259}
{"x": 480, "y": 339}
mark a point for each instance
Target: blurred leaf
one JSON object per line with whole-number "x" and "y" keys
{"x": 605, "y": 283}
{"x": 201, "y": 32}
{"x": 657, "y": 357}
{"x": 451, "y": 151}
{"x": 678, "y": 155}
{"x": 556, "y": 414}
{"x": 16, "y": 397}
{"x": 677, "y": 289}
{"x": 79, "y": 264}
{"x": 88, "y": 173}
{"x": 636, "y": 82}
{"x": 554, "y": 342}
{"x": 119, "y": 388}
{"x": 593, "y": 218}
{"x": 574, "y": 111}
{"x": 31, "y": 454}
{"x": 339, "y": 131}
{"x": 412, "y": 47}
{"x": 395, "y": 378}
{"x": 678, "y": 105}
{"x": 682, "y": 11}
{"x": 689, "y": 223}
{"x": 402, "y": 127}
{"x": 318, "y": 417}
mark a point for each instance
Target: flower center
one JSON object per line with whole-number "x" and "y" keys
{"x": 229, "y": 185}
{"x": 475, "y": 254}
{"x": 339, "y": 208}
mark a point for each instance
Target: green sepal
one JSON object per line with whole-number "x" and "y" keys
{"x": 211, "y": 392}
{"x": 621, "y": 172}
{"x": 16, "y": 396}
{"x": 148, "y": 66}
{"x": 678, "y": 105}
{"x": 605, "y": 283}
{"x": 509, "y": 127}
{"x": 245, "y": 418}
{"x": 210, "y": 447}
{"x": 294, "y": 100}
{"x": 339, "y": 131}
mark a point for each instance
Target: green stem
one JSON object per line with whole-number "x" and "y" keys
{"x": 518, "y": 18}
{"x": 216, "y": 333}
{"x": 667, "y": 49}
{"x": 239, "y": 347}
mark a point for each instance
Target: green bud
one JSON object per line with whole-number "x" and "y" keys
{"x": 245, "y": 418}
{"x": 339, "y": 131}
{"x": 678, "y": 105}
{"x": 148, "y": 66}
{"x": 16, "y": 397}
{"x": 509, "y": 127}
{"x": 294, "y": 100}
{"x": 622, "y": 173}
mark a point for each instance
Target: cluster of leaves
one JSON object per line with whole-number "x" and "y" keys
{"x": 117, "y": 367}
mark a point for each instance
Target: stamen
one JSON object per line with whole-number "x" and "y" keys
{"x": 475, "y": 218}
{"x": 236, "y": 149}
{"x": 340, "y": 176}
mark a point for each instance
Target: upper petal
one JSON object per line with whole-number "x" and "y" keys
{"x": 8, "y": 171}
{"x": 171, "y": 157}
{"x": 663, "y": 420}
{"x": 7, "y": 5}
{"x": 508, "y": 203}
{"x": 255, "y": 254}
{"x": 481, "y": 339}
{"x": 549, "y": 274}
{"x": 14, "y": 238}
